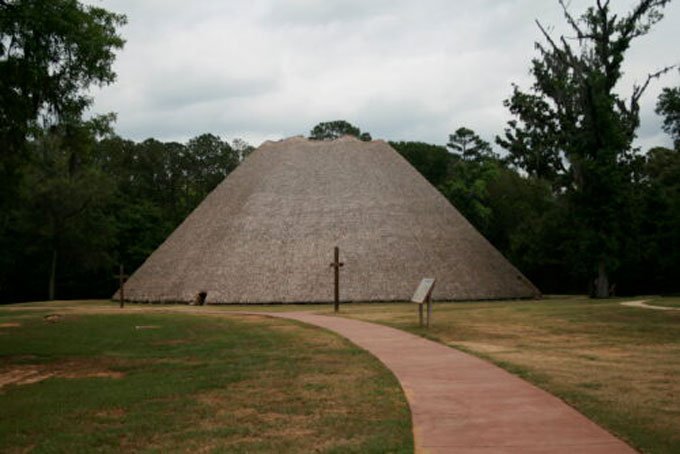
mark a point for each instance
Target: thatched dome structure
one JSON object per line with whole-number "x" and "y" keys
{"x": 266, "y": 234}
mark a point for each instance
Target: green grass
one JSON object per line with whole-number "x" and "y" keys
{"x": 618, "y": 365}
{"x": 666, "y": 302}
{"x": 230, "y": 384}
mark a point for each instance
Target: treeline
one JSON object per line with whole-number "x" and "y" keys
{"x": 88, "y": 200}
{"x": 531, "y": 222}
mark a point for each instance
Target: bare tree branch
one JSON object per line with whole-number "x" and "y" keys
{"x": 639, "y": 90}
{"x": 573, "y": 22}
{"x": 546, "y": 35}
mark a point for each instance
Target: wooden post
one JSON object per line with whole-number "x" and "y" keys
{"x": 122, "y": 277}
{"x": 336, "y": 265}
{"x": 420, "y": 314}
{"x": 429, "y": 309}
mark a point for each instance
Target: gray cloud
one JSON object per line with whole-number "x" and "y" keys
{"x": 315, "y": 13}
{"x": 266, "y": 69}
{"x": 184, "y": 90}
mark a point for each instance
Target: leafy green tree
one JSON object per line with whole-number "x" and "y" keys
{"x": 90, "y": 200}
{"x": 580, "y": 130}
{"x": 332, "y": 130}
{"x": 159, "y": 184}
{"x": 534, "y": 144}
{"x": 432, "y": 161}
{"x": 51, "y": 51}
{"x": 661, "y": 216}
{"x": 650, "y": 262}
{"x": 527, "y": 226}
{"x": 64, "y": 198}
{"x": 471, "y": 168}
{"x": 466, "y": 187}
{"x": 160, "y": 174}
{"x": 242, "y": 148}
{"x": 668, "y": 105}
{"x": 150, "y": 198}
{"x": 469, "y": 146}
{"x": 208, "y": 161}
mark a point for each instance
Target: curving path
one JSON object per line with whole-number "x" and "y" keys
{"x": 462, "y": 404}
{"x": 642, "y": 304}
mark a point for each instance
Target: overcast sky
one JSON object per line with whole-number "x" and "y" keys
{"x": 399, "y": 69}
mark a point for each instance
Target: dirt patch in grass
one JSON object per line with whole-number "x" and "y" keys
{"x": 53, "y": 318}
{"x": 26, "y": 374}
{"x": 171, "y": 342}
{"x": 482, "y": 347}
{"x": 110, "y": 413}
{"x": 10, "y": 325}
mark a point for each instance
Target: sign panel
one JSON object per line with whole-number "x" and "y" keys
{"x": 423, "y": 291}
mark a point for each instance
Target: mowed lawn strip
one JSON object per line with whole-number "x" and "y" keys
{"x": 665, "y": 302}
{"x": 177, "y": 382}
{"x": 618, "y": 365}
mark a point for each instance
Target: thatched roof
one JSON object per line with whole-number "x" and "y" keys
{"x": 267, "y": 232}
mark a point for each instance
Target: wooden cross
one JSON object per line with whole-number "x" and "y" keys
{"x": 337, "y": 264}
{"x": 122, "y": 277}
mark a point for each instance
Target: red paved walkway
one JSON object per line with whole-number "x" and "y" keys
{"x": 462, "y": 404}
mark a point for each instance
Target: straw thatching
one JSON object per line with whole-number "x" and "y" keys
{"x": 266, "y": 234}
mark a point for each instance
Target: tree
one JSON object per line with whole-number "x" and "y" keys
{"x": 242, "y": 148}
{"x": 64, "y": 193}
{"x": 158, "y": 184}
{"x": 51, "y": 51}
{"x": 668, "y": 105}
{"x": 89, "y": 200}
{"x": 661, "y": 228}
{"x": 579, "y": 131}
{"x": 467, "y": 189}
{"x": 469, "y": 145}
{"x": 472, "y": 167}
{"x": 534, "y": 145}
{"x": 432, "y": 161}
{"x": 209, "y": 160}
{"x": 526, "y": 226}
{"x": 332, "y": 130}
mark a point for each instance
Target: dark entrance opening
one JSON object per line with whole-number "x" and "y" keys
{"x": 200, "y": 298}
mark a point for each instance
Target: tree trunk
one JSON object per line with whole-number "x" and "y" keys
{"x": 602, "y": 281}
{"x": 53, "y": 275}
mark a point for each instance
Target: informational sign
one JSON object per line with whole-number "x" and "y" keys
{"x": 423, "y": 291}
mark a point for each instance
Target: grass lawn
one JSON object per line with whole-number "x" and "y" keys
{"x": 176, "y": 382}
{"x": 667, "y": 302}
{"x": 618, "y": 365}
